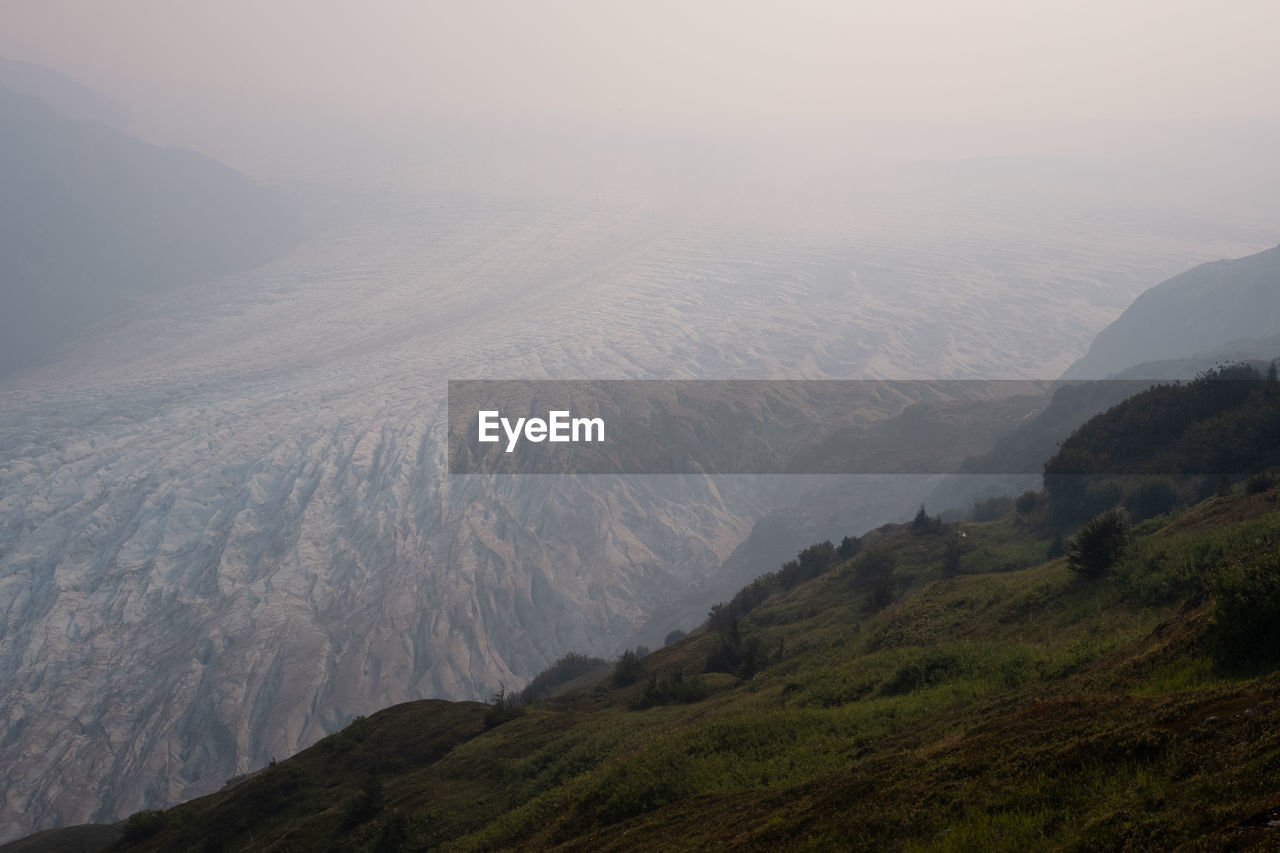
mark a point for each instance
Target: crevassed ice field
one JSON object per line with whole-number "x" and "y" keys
{"x": 225, "y": 526}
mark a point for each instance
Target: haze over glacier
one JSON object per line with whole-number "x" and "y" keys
{"x": 226, "y": 528}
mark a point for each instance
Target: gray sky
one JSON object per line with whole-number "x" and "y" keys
{"x": 645, "y": 62}
{"x": 281, "y": 81}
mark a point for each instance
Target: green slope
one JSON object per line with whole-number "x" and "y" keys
{"x": 1013, "y": 706}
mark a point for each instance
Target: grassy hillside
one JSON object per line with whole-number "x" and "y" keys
{"x": 1015, "y": 705}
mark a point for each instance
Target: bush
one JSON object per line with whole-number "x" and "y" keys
{"x": 932, "y": 669}
{"x": 1246, "y": 620}
{"x": 673, "y": 690}
{"x": 569, "y": 667}
{"x": 357, "y": 730}
{"x": 144, "y": 824}
{"x": 1027, "y": 503}
{"x": 740, "y": 656}
{"x": 674, "y": 636}
{"x": 991, "y": 508}
{"x": 736, "y": 653}
{"x": 1259, "y": 483}
{"x": 628, "y": 669}
{"x": 849, "y": 548}
{"x": 808, "y": 564}
{"x": 1098, "y": 544}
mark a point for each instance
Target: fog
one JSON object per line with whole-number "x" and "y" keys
{"x": 713, "y": 107}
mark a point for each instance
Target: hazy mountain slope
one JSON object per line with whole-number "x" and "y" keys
{"x": 1202, "y": 304}
{"x": 1258, "y": 352}
{"x": 68, "y": 97}
{"x": 1202, "y": 309}
{"x": 90, "y": 219}
{"x": 226, "y": 527}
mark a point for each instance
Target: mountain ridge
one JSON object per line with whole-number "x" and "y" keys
{"x": 1202, "y": 309}
{"x": 90, "y": 218}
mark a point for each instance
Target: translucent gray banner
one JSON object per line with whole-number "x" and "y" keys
{"x": 727, "y": 427}
{"x": 731, "y": 426}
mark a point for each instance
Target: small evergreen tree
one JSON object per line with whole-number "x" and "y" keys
{"x": 503, "y": 706}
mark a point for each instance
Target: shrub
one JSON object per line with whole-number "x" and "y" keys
{"x": 1098, "y": 544}
{"x": 809, "y": 563}
{"x": 1246, "y": 620}
{"x": 1259, "y": 483}
{"x": 674, "y": 690}
{"x": 990, "y": 509}
{"x": 739, "y": 656}
{"x": 1027, "y": 503}
{"x": 932, "y": 669}
{"x": 674, "y": 636}
{"x": 566, "y": 669}
{"x": 736, "y": 653}
{"x": 357, "y": 730}
{"x": 144, "y": 824}
{"x": 628, "y": 669}
{"x": 849, "y": 547}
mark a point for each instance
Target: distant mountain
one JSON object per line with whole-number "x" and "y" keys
{"x": 68, "y": 97}
{"x": 90, "y": 218}
{"x": 1225, "y": 312}
{"x": 1200, "y": 310}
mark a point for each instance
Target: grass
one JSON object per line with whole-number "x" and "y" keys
{"x": 1012, "y": 707}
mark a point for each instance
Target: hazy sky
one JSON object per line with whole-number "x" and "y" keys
{"x": 639, "y": 62}
{"x": 234, "y": 77}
